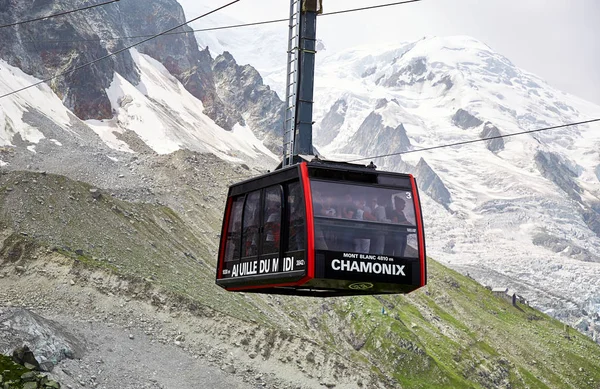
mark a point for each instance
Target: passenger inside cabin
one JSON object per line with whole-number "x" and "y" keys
{"x": 396, "y": 244}
{"x": 250, "y": 235}
{"x": 296, "y": 238}
{"x": 361, "y": 244}
{"x": 397, "y": 214}
{"x": 347, "y": 235}
{"x": 272, "y": 227}
{"x": 368, "y": 212}
{"x": 378, "y": 241}
{"x": 318, "y": 207}
{"x": 319, "y": 210}
{"x": 329, "y": 207}
{"x": 330, "y": 237}
{"x": 347, "y": 206}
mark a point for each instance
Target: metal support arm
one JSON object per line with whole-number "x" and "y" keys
{"x": 300, "y": 79}
{"x": 306, "y": 78}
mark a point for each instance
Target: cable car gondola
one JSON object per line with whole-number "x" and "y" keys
{"x": 315, "y": 227}
{"x": 323, "y": 228}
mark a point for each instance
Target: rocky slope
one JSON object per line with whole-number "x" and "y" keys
{"x": 142, "y": 274}
{"x": 45, "y": 48}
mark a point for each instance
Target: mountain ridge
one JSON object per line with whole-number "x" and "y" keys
{"x": 128, "y": 208}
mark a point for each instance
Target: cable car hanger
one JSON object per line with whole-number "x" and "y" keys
{"x": 314, "y": 227}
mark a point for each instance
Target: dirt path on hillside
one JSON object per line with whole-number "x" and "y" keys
{"x": 124, "y": 358}
{"x": 132, "y": 344}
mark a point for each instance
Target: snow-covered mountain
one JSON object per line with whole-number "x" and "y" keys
{"x": 159, "y": 97}
{"x": 520, "y": 212}
{"x": 158, "y": 110}
{"x": 114, "y": 177}
{"x": 168, "y": 118}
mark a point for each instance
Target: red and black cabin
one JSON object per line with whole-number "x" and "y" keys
{"x": 323, "y": 229}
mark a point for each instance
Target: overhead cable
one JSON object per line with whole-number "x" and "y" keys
{"x": 478, "y": 140}
{"x": 238, "y": 177}
{"x": 58, "y": 14}
{"x": 235, "y": 25}
{"x": 453, "y": 144}
{"x": 118, "y": 51}
{"x": 370, "y": 7}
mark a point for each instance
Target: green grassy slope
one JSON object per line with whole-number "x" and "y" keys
{"x": 455, "y": 333}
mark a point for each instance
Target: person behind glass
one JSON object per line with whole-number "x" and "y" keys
{"x": 319, "y": 210}
{"x": 328, "y": 207}
{"x": 361, "y": 245}
{"x": 250, "y": 226}
{"x": 368, "y": 212}
{"x": 296, "y": 239}
{"x": 272, "y": 227}
{"x": 398, "y": 217}
{"x": 379, "y": 211}
{"x": 331, "y": 236}
{"x": 318, "y": 207}
{"x": 347, "y": 236}
{"x": 378, "y": 241}
{"x": 348, "y": 206}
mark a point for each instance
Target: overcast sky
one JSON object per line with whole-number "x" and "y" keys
{"x": 558, "y": 40}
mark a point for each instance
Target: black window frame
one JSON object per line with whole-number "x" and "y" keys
{"x": 263, "y": 225}
{"x": 244, "y": 234}
{"x": 230, "y": 234}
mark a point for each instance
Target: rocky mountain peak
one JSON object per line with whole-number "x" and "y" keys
{"x": 431, "y": 183}
{"x": 490, "y": 131}
{"x": 465, "y": 120}
{"x": 179, "y": 53}
{"x": 77, "y": 41}
{"x": 243, "y": 90}
{"x": 47, "y": 47}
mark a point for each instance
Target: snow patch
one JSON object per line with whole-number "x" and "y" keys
{"x": 167, "y": 118}
{"x": 40, "y": 98}
{"x": 107, "y": 130}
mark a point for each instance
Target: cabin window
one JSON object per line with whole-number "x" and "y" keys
{"x": 364, "y": 219}
{"x": 251, "y": 225}
{"x": 272, "y": 220}
{"x": 295, "y": 216}
{"x": 234, "y": 230}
